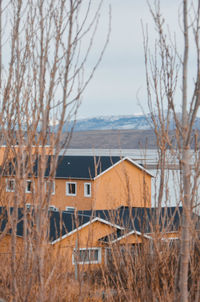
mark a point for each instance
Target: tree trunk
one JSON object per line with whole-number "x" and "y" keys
{"x": 186, "y": 173}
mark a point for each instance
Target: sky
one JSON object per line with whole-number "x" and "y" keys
{"x": 118, "y": 86}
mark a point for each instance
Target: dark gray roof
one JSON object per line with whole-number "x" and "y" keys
{"x": 60, "y": 223}
{"x": 86, "y": 167}
{"x": 147, "y": 221}
{"x": 4, "y": 220}
{"x": 70, "y": 167}
{"x": 143, "y": 220}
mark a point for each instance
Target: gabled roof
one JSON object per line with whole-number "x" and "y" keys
{"x": 125, "y": 221}
{"x": 128, "y": 221}
{"x": 144, "y": 220}
{"x": 121, "y": 234}
{"x": 83, "y": 225}
{"x": 129, "y": 160}
{"x": 76, "y": 167}
{"x": 61, "y": 224}
{"x": 89, "y": 167}
{"x": 85, "y": 167}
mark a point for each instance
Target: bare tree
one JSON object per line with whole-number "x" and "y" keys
{"x": 163, "y": 69}
{"x": 42, "y": 80}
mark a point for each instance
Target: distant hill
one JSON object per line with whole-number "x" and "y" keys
{"x": 113, "y": 139}
{"x": 121, "y": 122}
{"x": 117, "y": 139}
{"x": 115, "y": 132}
{"x": 113, "y": 123}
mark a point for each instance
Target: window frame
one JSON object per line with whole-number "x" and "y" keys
{"x": 85, "y": 189}
{"x": 67, "y": 188}
{"x": 7, "y": 181}
{"x": 53, "y": 191}
{"x": 29, "y": 181}
{"x": 89, "y": 249}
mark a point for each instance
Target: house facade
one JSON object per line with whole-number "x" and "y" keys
{"x": 87, "y": 182}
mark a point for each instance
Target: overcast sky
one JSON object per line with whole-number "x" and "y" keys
{"x": 119, "y": 83}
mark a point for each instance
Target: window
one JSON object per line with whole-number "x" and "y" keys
{"x": 70, "y": 209}
{"x": 87, "y": 256}
{"x": 29, "y": 186}
{"x": 52, "y": 208}
{"x": 87, "y": 189}
{"x": 49, "y": 184}
{"x": 28, "y": 206}
{"x": 10, "y": 185}
{"x": 71, "y": 188}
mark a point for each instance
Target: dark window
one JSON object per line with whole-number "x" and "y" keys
{"x": 87, "y": 189}
{"x": 28, "y": 186}
{"x": 71, "y": 188}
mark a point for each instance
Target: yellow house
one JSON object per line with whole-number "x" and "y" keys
{"x": 88, "y": 238}
{"x": 87, "y": 182}
{"x": 82, "y": 246}
{"x": 101, "y": 233}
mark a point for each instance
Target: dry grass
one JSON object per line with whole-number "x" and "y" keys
{"x": 149, "y": 273}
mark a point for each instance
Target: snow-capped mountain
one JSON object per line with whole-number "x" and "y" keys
{"x": 121, "y": 122}
{"x": 113, "y": 123}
